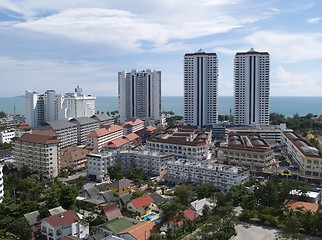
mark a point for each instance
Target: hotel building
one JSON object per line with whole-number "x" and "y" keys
{"x": 200, "y": 89}
{"x": 139, "y": 95}
{"x": 222, "y": 176}
{"x": 251, "y": 88}
{"x": 50, "y": 106}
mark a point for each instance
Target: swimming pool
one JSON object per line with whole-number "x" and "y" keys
{"x": 157, "y": 220}
{"x": 148, "y": 217}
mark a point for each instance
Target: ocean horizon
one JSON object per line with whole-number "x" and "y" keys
{"x": 288, "y": 106}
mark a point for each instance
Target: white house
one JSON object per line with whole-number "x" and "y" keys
{"x": 64, "y": 224}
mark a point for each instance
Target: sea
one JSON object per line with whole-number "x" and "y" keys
{"x": 288, "y": 106}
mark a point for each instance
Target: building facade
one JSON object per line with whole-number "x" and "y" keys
{"x": 85, "y": 126}
{"x": 97, "y": 165}
{"x": 38, "y": 151}
{"x": 50, "y": 106}
{"x": 251, "y": 88}
{"x": 200, "y": 89}
{"x": 222, "y": 176}
{"x": 139, "y": 95}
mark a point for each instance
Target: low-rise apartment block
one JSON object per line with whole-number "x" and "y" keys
{"x": 307, "y": 158}
{"x": 73, "y": 157}
{"x": 7, "y": 135}
{"x": 222, "y": 176}
{"x": 66, "y": 131}
{"x": 183, "y": 141}
{"x": 85, "y": 125}
{"x": 132, "y": 125}
{"x": 247, "y": 150}
{"x": 38, "y": 151}
{"x": 97, "y": 165}
{"x": 100, "y": 137}
{"x": 103, "y": 119}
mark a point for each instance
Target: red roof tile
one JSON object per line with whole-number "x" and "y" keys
{"x": 111, "y": 211}
{"x": 41, "y": 137}
{"x": 306, "y": 206}
{"x": 108, "y": 129}
{"x": 141, "y": 231}
{"x": 132, "y": 136}
{"x": 188, "y": 214}
{"x": 142, "y": 201}
{"x": 63, "y": 219}
{"x": 117, "y": 143}
{"x": 150, "y": 128}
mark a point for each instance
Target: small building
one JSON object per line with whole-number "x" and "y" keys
{"x": 187, "y": 214}
{"x": 142, "y": 204}
{"x": 64, "y": 224}
{"x": 73, "y": 157}
{"x": 120, "y": 187}
{"x": 199, "y": 205}
{"x": 111, "y": 211}
{"x": 115, "y": 226}
{"x": 140, "y": 231}
{"x": 298, "y": 206}
{"x": 132, "y": 125}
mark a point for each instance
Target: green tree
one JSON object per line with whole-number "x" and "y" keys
{"x": 115, "y": 172}
{"x": 137, "y": 175}
{"x": 205, "y": 190}
{"x": 291, "y": 227}
{"x": 3, "y": 114}
{"x": 80, "y": 182}
{"x": 186, "y": 194}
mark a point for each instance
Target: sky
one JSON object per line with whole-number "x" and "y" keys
{"x": 59, "y": 44}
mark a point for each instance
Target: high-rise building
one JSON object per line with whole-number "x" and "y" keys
{"x": 139, "y": 95}
{"x": 50, "y": 107}
{"x": 200, "y": 89}
{"x": 251, "y": 88}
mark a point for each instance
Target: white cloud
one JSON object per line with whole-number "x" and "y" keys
{"x": 314, "y": 20}
{"x": 285, "y": 83}
{"x": 287, "y": 47}
{"x": 20, "y": 75}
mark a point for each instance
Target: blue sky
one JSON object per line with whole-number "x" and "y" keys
{"x": 58, "y": 44}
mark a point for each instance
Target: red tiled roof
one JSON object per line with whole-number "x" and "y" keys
{"x": 150, "y": 128}
{"x": 142, "y": 201}
{"x": 132, "y": 136}
{"x": 117, "y": 143}
{"x": 108, "y": 129}
{"x": 24, "y": 126}
{"x": 141, "y": 231}
{"x": 63, "y": 219}
{"x": 188, "y": 214}
{"x": 111, "y": 211}
{"x": 120, "y": 184}
{"x": 131, "y": 123}
{"x": 42, "y": 137}
{"x": 306, "y": 206}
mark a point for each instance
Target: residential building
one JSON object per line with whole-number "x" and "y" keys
{"x": 38, "y": 151}
{"x": 103, "y": 119}
{"x": 50, "y": 106}
{"x": 111, "y": 211}
{"x": 73, "y": 157}
{"x": 107, "y": 133}
{"x": 142, "y": 204}
{"x": 182, "y": 141}
{"x": 307, "y": 158}
{"x": 200, "y": 89}
{"x": 153, "y": 162}
{"x": 115, "y": 226}
{"x": 85, "y": 125}
{"x": 251, "y": 88}
{"x": 96, "y": 196}
{"x": 132, "y": 125}
{"x": 120, "y": 187}
{"x": 222, "y": 176}
{"x": 140, "y": 231}
{"x": 298, "y": 206}
{"x": 97, "y": 165}
{"x": 126, "y": 142}
{"x": 67, "y": 132}
{"x": 139, "y": 95}
{"x": 7, "y": 135}
{"x": 198, "y": 205}
{"x": 21, "y": 129}
{"x": 67, "y": 223}
{"x": 247, "y": 150}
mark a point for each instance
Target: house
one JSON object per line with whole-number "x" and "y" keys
{"x": 115, "y": 226}
{"x": 111, "y": 211}
{"x": 141, "y": 231}
{"x": 120, "y": 187}
{"x": 94, "y": 196}
{"x": 33, "y": 218}
{"x": 311, "y": 196}
{"x": 142, "y": 204}
{"x": 187, "y": 214}
{"x": 199, "y": 205}
{"x": 298, "y": 206}
{"x": 64, "y": 224}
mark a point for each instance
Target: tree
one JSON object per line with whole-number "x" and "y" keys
{"x": 80, "y": 182}
{"x": 205, "y": 190}
{"x": 291, "y": 228}
{"x": 24, "y": 171}
{"x": 3, "y": 114}
{"x": 137, "y": 175}
{"x": 115, "y": 172}
{"x": 186, "y": 194}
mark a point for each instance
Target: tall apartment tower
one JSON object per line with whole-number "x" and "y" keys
{"x": 200, "y": 89}
{"x": 139, "y": 95}
{"x": 50, "y": 106}
{"x": 251, "y": 88}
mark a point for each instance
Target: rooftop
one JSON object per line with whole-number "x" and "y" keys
{"x": 142, "y": 201}
{"x": 63, "y": 219}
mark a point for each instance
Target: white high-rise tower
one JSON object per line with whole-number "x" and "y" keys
{"x": 139, "y": 95}
{"x": 251, "y": 88}
{"x": 200, "y": 89}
